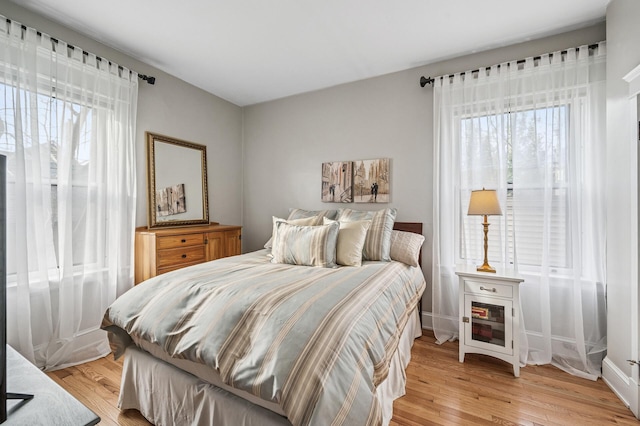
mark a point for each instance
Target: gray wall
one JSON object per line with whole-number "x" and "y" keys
{"x": 287, "y": 140}
{"x": 174, "y": 108}
{"x": 623, "y": 55}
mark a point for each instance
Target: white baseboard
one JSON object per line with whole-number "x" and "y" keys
{"x": 427, "y": 320}
{"x": 634, "y": 399}
{"x": 622, "y": 385}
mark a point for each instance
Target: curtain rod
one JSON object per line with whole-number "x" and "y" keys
{"x": 149, "y": 79}
{"x": 430, "y": 80}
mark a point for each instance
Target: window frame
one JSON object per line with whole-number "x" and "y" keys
{"x": 465, "y": 225}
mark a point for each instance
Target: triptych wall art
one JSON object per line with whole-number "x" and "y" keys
{"x": 360, "y": 181}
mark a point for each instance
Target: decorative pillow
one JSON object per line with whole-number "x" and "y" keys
{"x": 405, "y": 247}
{"x": 378, "y": 242}
{"x": 305, "y": 221}
{"x": 351, "y": 238}
{"x": 300, "y": 213}
{"x": 305, "y": 245}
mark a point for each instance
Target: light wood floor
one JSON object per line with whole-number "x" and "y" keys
{"x": 440, "y": 391}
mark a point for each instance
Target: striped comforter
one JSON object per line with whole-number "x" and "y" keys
{"x": 317, "y": 341}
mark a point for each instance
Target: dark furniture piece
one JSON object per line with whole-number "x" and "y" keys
{"x": 416, "y": 228}
{"x": 51, "y": 405}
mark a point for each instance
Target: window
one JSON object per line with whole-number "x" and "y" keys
{"x": 532, "y": 146}
{"x": 42, "y": 136}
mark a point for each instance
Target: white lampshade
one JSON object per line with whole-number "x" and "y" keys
{"x": 484, "y": 202}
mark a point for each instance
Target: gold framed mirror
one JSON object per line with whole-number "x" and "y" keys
{"x": 176, "y": 182}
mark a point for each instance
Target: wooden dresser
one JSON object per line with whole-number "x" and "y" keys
{"x": 162, "y": 250}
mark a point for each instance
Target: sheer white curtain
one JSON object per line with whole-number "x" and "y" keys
{"x": 67, "y": 123}
{"x": 534, "y": 130}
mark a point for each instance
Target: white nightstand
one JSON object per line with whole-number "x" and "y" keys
{"x": 490, "y": 314}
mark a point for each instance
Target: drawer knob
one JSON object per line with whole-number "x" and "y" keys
{"x": 492, "y": 290}
{"x": 184, "y": 256}
{"x": 183, "y": 240}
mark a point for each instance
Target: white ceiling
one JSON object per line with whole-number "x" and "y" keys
{"x": 251, "y": 51}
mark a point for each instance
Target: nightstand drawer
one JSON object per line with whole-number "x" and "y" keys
{"x": 484, "y": 288}
{"x": 181, "y": 255}
{"x": 174, "y": 241}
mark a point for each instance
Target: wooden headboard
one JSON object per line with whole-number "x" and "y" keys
{"x": 415, "y": 227}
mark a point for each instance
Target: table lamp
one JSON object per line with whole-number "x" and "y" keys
{"x": 484, "y": 202}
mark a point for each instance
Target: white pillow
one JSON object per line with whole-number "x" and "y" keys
{"x": 351, "y": 237}
{"x": 405, "y": 247}
{"x": 305, "y": 245}
{"x": 305, "y": 221}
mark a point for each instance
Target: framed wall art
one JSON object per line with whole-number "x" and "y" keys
{"x": 371, "y": 181}
{"x": 337, "y": 182}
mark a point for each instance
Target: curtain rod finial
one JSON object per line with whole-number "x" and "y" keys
{"x": 149, "y": 79}
{"x": 424, "y": 81}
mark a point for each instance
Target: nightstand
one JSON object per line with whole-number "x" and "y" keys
{"x": 490, "y": 314}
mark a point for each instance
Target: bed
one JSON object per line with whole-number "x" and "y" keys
{"x": 246, "y": 341}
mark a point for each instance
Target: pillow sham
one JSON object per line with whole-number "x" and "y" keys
{"x": 301, "y": 213}
{"x": 377, "y": 244}
{"x": 304, "y": 221}
{"x": 405, "y": 247}
{"x": 351, "y": 236}
{"x": 305, "y": 245}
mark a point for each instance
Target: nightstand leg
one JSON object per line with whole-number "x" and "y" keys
{"x": 516, "y": 368}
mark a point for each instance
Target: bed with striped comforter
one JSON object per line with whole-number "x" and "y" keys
{"x": 316, "y": 341}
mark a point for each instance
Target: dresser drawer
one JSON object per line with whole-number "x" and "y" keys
{"x": 174, "y": 267}
{"x": 483, "y": 288}
{"x": 182, "y": 255}
{"x": 174, "y": 241}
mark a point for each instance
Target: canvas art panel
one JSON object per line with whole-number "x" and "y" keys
{"x": 371, "y": 181}
{"x": 337, "y": 182}
{"x": 171, "y": 200}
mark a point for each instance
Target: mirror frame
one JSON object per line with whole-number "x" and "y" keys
{"x": 152, "y": 138}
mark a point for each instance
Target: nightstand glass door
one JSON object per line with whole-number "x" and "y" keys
{"x": 488, "y": 326}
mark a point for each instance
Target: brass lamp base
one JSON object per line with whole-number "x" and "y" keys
{"x": 485, "y": 268}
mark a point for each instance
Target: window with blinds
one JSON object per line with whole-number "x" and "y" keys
{"x": 536, "y": 214}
